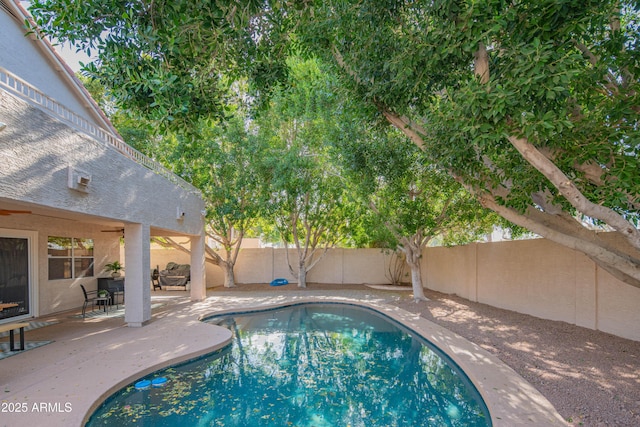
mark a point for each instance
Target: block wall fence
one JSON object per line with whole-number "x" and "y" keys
{"x": 536, "y": 277}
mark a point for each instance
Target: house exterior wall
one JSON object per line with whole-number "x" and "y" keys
{"x": 37, "y": 151}
{"x": 22, "y": 55}
{"x": 61, "y": 160}
{"x": 59, "y": 295}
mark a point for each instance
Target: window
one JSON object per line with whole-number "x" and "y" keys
{"x": 70, "y": 258}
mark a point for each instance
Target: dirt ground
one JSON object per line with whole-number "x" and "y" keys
{"x": 592, "y": 378}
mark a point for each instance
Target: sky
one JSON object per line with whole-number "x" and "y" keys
{"x": 70, "y": 56}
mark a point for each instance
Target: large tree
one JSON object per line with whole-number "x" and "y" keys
{"x": 222, "y": 159}
{"x": 224, "y": 163}
{"x": 411, "y": 199}
{"x": 532, "y": 106}
{"x": 309, "y": 203}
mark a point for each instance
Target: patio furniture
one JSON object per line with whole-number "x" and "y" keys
{"x": 155, "y": 274}
{"x": 93, "y": 298}
{"x": 11, "y": 327}
{"x": 118, "y": 298}
{"x": 112, "y": 285}
{"x": 175, "y": 275}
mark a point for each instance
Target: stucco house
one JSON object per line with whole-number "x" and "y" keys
{"x": 70, "y": 189}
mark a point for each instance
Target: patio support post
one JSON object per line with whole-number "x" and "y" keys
{"x": 137, "y": 249}
{"x": 198, "y": 275}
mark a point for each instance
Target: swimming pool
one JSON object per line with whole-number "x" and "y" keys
{"x": 306, "y": 365}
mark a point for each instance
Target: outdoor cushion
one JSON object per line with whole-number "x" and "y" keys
{"x": 175, "y": 275}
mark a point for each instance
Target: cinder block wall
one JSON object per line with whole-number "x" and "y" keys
{"x": 535, "y": 277}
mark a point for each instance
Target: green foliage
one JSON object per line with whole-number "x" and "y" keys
{"x": 416, "y": 59}
{"x": 172, "y": 61}
{"x": 309, "y": 204}
{"x": 114, "y": 266}
{"x": 224, "y": 163}
{"x": 408, "y": 195}
{"x": 533, "y": 106}
{"x": 562, "y": 75}
{"x": 134, "y": 129}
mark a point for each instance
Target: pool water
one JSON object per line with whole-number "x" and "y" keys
{"x": 306, "y": 365}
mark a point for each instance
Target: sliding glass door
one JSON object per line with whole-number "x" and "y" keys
{"x": 15, "y": 274}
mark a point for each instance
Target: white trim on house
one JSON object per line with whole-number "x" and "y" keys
{"x": 21, "y": 15}
{"x": 24, "y": 90}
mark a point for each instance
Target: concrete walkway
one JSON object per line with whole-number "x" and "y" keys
{"x": 61, "y": 384}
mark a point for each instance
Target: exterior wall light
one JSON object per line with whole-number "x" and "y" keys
{"x": 179, "y": 213}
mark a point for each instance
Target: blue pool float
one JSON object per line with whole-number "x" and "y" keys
{"x": 279, "y": 282}
{"x": 142, "y": 385}
{"x": 158, "y": 382}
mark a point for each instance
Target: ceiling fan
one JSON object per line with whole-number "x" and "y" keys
{"x": 7, "y": 212}
{"x": 117, "y": 230}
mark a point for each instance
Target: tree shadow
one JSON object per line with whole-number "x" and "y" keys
{"x": 591, "y": 377}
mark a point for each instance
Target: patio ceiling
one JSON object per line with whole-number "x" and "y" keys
{"x": 47, "y": 212}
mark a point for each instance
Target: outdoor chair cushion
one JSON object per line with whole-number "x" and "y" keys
{"x": 175, "y": 275}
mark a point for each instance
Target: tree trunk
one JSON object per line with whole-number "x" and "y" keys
{"x": 416, "y": 283}
{"x": 481, "y": 63}
{"x": 413, "y": 253}
{"x": 302, "y": 275}
{"x": 571, "y": 192}
{"x": 229, "y": 277}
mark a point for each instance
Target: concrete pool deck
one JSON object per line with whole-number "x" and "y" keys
{"x": 60, "y": 384}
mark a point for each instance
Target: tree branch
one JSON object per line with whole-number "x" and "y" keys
{"x": 481, "y": 63}
{"x": 409, "y": 128}
{"x": 568, "y": 189}
{"x": 168, "y": 242}
{"x": 624, "y": 265}
{"x": 611, "y": 85}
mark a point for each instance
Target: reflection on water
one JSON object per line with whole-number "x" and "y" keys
{"x": 306, "y": 365}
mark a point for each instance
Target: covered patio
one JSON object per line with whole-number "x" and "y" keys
{"x": 110, "y": 239}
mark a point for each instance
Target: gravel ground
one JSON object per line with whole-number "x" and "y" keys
{"x": 592, "y": 378}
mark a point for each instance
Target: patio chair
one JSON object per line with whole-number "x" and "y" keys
{"x": 93, "y": 298}
{"x": 155, "y": 274}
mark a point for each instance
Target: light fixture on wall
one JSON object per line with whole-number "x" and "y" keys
{"x": 3, "y": 126}
{"x": 179, "y": 213}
